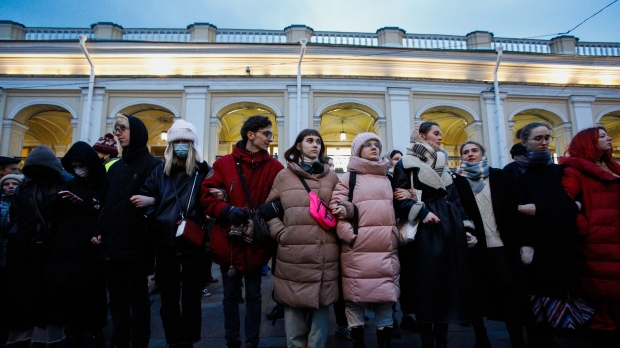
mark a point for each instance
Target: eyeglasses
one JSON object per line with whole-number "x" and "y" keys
{"x": 540, "y": 138}
{"x": 267, "y": 135}
{"x": 120, "y": 129}
{"x": 369, "y": 144}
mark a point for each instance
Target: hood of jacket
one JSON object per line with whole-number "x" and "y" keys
{"x": 42, "y": 156}
{"x": 240, "y": 153}
{"x": 138, "y": 135}
{"x": 83, "y": 152}
{"x": 364, "y": 166}
{"x": 590, "y": 168}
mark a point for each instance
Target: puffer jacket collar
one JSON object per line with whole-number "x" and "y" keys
{"x": 295, "y": 168}
{"x": 590, "y": 168}
{"x": 252, "y": 158}
{"x": 364, "y": 166}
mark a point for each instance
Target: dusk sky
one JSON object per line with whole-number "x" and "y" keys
{"x": 504, "y": 18}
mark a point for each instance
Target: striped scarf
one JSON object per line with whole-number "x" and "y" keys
{"x": 475, "y": 172}
{"x": 436, "y": 159}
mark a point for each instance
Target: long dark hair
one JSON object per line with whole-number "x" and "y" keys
{"x": 294, "y": 155}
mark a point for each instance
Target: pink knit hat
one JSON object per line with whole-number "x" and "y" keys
{"x": 360, "y": 139}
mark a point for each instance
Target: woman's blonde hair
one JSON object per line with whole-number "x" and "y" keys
{"x": 190, "y": 163}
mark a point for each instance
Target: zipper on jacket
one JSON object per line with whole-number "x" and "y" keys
{"x": 232, "y": 185}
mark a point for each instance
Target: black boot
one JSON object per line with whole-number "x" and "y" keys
{"x": 396, "y": 330}
{"x": 440, "y": 332}
{"x": 141, "y": 344}
{"x": 515, "y": 332}
{"x": 482, "y": 340}
{"x": 426, "y": 335}
{"x": 357, "y": 336}
{"x": 384, "y": 337}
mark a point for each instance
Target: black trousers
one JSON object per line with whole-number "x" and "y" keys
{"x": 180, "y": 274}
{"x": 127, "y": 283}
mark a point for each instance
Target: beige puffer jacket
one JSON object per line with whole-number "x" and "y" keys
{"x": 369, "y": 260}
{"x": 306, "y": 272}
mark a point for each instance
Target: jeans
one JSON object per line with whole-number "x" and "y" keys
{"x": 306, "y": 327}
{"x": 181, "y": 321}
{"x": 253, "y": 302}
{"x": 127, "y": 283}
{"x": 383, "y": 314}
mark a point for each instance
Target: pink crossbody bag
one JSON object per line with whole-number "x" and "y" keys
{"x": 319, "y": 211}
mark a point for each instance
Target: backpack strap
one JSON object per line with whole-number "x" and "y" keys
{"x": 355, "y": 219}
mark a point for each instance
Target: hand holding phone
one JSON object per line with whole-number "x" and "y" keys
{"x": 70, "y": 196}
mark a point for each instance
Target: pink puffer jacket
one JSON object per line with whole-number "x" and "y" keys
{"x": 369, "y": 260}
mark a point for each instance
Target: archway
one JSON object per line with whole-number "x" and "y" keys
{"x": 560, "y": 129}
{"x": 157, "y": 120}
{"x": 230, "y": 120}
{"x": 457, "y": 126}
{"x": 339, "y": 124}
{"x": 611, "y": 121}
{"x": 49, "y": 124}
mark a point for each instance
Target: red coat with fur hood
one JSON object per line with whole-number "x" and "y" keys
{"x": 598, "y": 222}
{"x": 260, "y": 171}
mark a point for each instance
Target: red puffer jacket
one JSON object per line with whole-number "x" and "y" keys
{"x": 260, "y": 171}
{"x": 598, "y": 223}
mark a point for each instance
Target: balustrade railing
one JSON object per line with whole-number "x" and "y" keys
{"x": 445, "y": 42}
{"x": 41, "y": 34}
{"x": 168, "y": 35}
{"x": 342, "y": 38}
{"x": 420, "y": 41}
{"x": 250, "y": 36}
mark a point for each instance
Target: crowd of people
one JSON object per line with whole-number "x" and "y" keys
{"x": 535, "y": 245}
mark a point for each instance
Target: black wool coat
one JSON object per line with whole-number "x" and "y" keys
{"x": 122, "y": 226}
{"x": 166, "y": 210}
{"x": 435, "y": 273}
{"x": 74, "y": 274}
{"x": 511, "y": 225}
{"x": 553, "y": 271}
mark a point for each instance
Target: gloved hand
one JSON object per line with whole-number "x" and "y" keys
{"x": 235, "y": 216}
{"x": 527, "y": 254}
{"x": 271, "y": 210}
{"x": 471, "y": 240}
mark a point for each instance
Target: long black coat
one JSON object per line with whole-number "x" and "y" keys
{"x": 505, "y": 198}
{"x": 166, "y": 211}
{"x": 30, "y": 243}
{"x": 74, "y": 274}
{"x": 553, "y": 271}
{"x": 122, "y": 226}
{"x": 435, "y": 274}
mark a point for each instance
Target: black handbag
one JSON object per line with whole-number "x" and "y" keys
{"x": 261, "y": 233}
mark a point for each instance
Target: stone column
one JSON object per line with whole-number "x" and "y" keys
{"x": 582, "y": 111}
{"x": 215, "y": 126}
{"x": 562, "y": 135}
{"x": 10, "y": 30}
{"x": 202, "y": 32}
{"x": 281, "y": 139}
{"x": 293, "y": 125}
{"x": 496, "y": 136}
{"x": 75, "y": 132}
{"x": 196, "y": 112}
{"x": 563, "y": 45}
{"x": 479, "y": 40}
{"x": 294, "y": 33}
{"x": 381, "y": 126}
{"x": 12, "y": 138}
{"x": 400, "y": 117}
{"x": 391, "y": 36}
{"x": 474, "y": 131}
{"x": 107, "y": 31}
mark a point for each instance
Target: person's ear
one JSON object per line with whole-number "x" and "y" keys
{"x": 298, "y": 147}
{"x": 250, "y": 135}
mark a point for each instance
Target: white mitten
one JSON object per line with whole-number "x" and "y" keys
{"x": 471, "y": 240}
{"x": 527, "y": 254}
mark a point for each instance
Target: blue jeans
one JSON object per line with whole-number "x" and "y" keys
{"x": 306, "y": 327}
{"x": 253, "y": 303}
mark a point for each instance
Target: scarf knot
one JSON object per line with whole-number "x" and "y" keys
{"x": 475, "y": 173}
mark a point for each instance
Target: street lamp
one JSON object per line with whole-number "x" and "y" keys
{"x": 343, "y": 134}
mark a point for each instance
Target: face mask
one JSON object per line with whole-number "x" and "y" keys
{"x": 181, "y": 150}
{"x": 82, "y": 173}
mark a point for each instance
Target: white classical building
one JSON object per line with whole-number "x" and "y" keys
{"x": 54, "y": 91}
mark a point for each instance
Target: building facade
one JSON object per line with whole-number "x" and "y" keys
{"x": 55, "y": 90}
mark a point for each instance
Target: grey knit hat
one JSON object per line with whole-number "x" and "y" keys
{"x": 18, "y": 177}
{"x": 183, "y": 130}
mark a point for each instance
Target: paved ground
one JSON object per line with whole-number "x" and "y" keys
{"x": 274, "y": 336}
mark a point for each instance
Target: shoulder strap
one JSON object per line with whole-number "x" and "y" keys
{"x": 246, "y": 190}
{"x": 352, "y": 181}
{"x": 304, "y": 183}
{"x": 191, "y": 193}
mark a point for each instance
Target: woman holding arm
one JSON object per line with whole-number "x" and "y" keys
{"x": 437, "y": 279}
